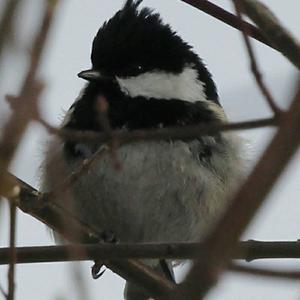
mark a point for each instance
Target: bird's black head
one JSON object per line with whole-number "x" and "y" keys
{"x": 136, "y": 42}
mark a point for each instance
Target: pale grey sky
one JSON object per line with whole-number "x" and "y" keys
{"x": 222, "y": 49}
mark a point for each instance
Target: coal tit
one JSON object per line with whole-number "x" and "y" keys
{"x": 167, "y": 190}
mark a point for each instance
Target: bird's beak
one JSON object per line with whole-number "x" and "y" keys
{"x": 90, "y": 75}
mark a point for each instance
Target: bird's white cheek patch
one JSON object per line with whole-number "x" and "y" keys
{"x": 156, "y": 84}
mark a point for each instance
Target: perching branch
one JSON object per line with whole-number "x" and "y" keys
{"x": 248, "y": 250}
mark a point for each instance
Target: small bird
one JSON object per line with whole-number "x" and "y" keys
{"x": 167, "y": 190}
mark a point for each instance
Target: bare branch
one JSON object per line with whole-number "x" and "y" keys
{"x": 220, "y": 246}
{"x": 283, "y": 274}
{"x": 6, "y": 22}
{"x": 27, "y": 99}
{"x": 249, "y": 251}
{"x": 229, "y": 19}
{"x": 174, "y": 133}
{"x": 271, "y": 27}
{"x": 102, "y": 109}
{"x": 12, "y": 252}
{"x": 3, "y": 292}
{"x": 254, "y": 66}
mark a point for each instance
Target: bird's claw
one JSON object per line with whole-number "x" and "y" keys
{"x": 96, "y": 270}
{"x": 107, "y": 236}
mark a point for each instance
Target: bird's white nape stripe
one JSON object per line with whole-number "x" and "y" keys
{"x": 158, "y": 84}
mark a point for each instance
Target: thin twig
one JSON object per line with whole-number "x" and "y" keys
{"x": 135, "y": 136}
{"x": 254, "y": 66}
{"x": 6, "y": 22}
{"x": 272, "y": 28}
{"x": 3, "y": 292}
{"x": 283, "y": 274}
{"x": 173, "y": 133}
{"x": 102, "y": 107}
{"x": 248, "y": 250}
{"x": 70, "y": 180}
{"x": 27, "y": 99}
{"x": 12, "y": 252}
{"x": 229, "y": 19}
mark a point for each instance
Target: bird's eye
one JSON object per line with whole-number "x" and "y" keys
{"x": 137, "y": 68}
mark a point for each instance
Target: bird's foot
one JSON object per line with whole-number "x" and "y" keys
{"x": 107, "y": 236}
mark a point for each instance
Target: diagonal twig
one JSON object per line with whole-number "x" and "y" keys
{"x": 254, "y": 66}
{"x": 272, "y": 28}
{"x": 3, "y": 292}
{"x": 27, "y": 99}
{"x": 6, "y": 22}
{"x": 220, "y": 246}
{"x": 229, "y": 19}
{"x": 12, "y": 252}
{"x": 282, "y": 274}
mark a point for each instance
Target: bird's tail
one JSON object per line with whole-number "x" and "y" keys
{"x": 134, "y": 292}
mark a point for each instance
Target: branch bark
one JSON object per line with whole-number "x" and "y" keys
{"x": 6, "y": 22}
{"x": 51, "y": 214}
{"x": 272, "y": 28}
{"x": 220, "y": 246}
{"x": 248, "y": 250}
{"x": 229, "y": 19}
{"x": 174, "y": 133}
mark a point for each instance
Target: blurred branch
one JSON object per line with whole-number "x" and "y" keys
{"x": 51, "y": 214}
{"x": 229, "y": 19}
{"x": 25, "y": 105}
{"x": 254, "y": 66}
{"x": 174, "y": 133}
{"x": 12, "y": 252}
{"x": 3, "y": 292}
{"x": 221, "y": 243}
{"x": 248, "y": 250}
{"x": 283, "y": 274}
{"x": 102, "y": 108}
{"x": 220, "y": 246}
{"x": 271, "y": 27}
{"x": 6, "y": 22}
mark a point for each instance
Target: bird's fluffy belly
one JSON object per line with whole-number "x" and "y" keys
{"x": 162, "y": 193}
